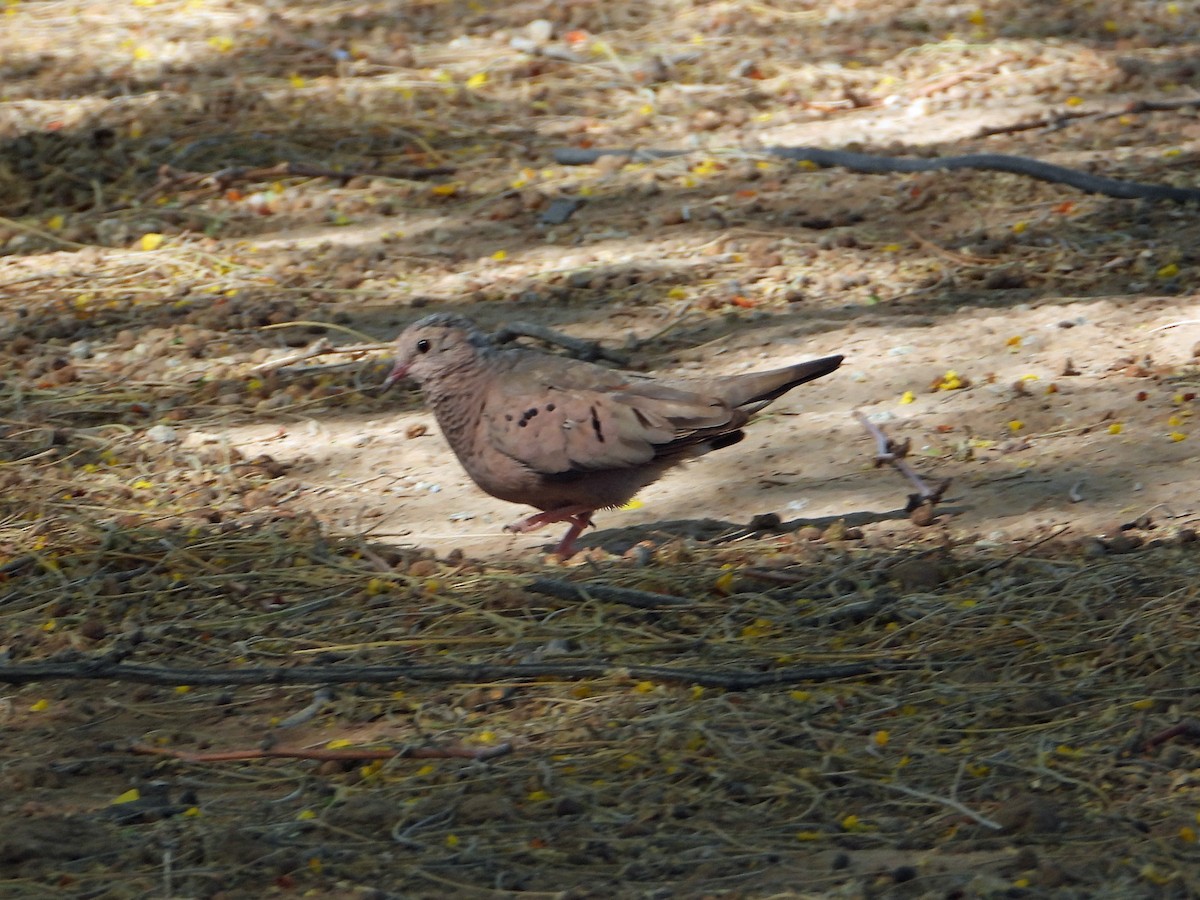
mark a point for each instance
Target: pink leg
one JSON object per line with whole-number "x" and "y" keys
{"x": 567, "y": 545}
{"x": 580, "y": 518}
{"x": 537, "y": 520}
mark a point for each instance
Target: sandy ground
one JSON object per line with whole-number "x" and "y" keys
{"x": 1029, "y": 448}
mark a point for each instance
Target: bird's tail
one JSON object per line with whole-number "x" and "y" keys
{"x": 753, "y": 391}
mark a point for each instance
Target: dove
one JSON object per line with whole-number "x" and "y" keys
{"x": 569, "y": 437}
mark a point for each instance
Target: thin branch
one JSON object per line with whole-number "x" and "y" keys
{"x": 322, "y": 697}
{"x": 585, "y": 350}
{"x": 318, "y": 347}
{"x": 889, "y": 452}
{"x": 1188, "y": 728}
{"x": 566, "y": 590}
{"x": 871, "y": 164}
{"x": 469, "y": 673}
{"x": 361, "y": 755}
{"x": 172, "y": 179}
{"x": 935, "y": 798}
{"x": 1059, "y": 119}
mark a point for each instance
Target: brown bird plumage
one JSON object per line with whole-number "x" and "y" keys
{"x": 571, "y": 437}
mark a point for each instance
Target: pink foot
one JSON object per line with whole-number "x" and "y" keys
{"x": 580, "y": 518}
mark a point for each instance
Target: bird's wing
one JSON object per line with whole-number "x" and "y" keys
{"x": 560, "y": 425}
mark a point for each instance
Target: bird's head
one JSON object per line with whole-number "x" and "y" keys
{"x": 434, "y": 346}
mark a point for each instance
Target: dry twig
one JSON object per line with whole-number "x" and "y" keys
{"x": 888, "y": 452}
{"x": 585, "y": 350}
{"x": 466, "y": 673}
{"x": 363, "y": 754}
{"x": 566, "y": 590}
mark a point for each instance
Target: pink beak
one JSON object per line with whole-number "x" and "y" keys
{"x": 399, "y": 370}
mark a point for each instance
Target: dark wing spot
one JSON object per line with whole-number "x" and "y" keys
{"x": 550, "y": 407}
{"x": 641, "y": 417}
{"x": 526, "y": 416}
{"x": 596, "y": 425}
{"x": 508, "y": 417}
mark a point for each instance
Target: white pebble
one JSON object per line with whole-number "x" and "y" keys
{"x": 540, "y": 30}
{"x": 164, "y": 434}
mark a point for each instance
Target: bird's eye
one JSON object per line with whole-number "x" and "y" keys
{"x": 422, "y": 346}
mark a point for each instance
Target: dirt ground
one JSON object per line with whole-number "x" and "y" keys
{"x": 200, "y": 475}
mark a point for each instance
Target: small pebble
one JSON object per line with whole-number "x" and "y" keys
{"x": 1123, "y": 543}
{"x": 923, "y": 515}
{"x": 163, "y": 434}
{"x": 540, "y": 30}
{"x": 764, "y": 522}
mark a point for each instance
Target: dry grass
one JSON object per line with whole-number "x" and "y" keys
{"x": 1003, "y": 740}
